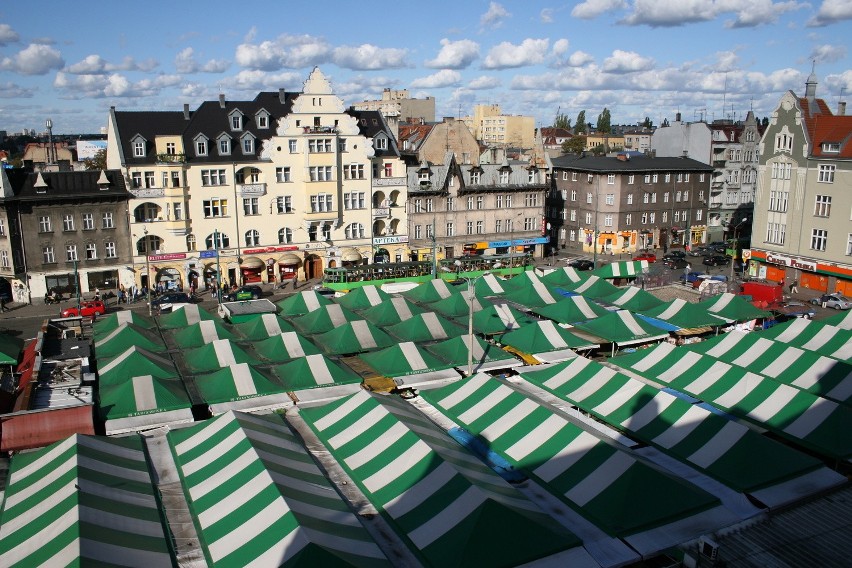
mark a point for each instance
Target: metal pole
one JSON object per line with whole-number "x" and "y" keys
{"x": 471, "y": 285}
{"x": 218, "y": 287}
{"x": 77, "y": 288}
{"x": 148, "y": 269}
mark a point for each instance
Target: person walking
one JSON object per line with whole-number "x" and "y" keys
{"x": 794, "y": 286}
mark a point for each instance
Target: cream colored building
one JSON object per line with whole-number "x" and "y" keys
{"x": 397, "y": 106}
{"x": 493, "y": 128}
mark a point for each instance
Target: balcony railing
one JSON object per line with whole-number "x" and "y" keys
{"x": 146, "y": 192}
{"x": 253, "y": 189}
{"x": 389, "y": 181}
{"x": 171, "y": 158}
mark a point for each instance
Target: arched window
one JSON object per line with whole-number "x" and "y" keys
{"x": 252, "y": 238}
{"x": 190, "y": 242}
{"x": 148, "y": 244}
{"x": 146, "y": 212}
{"x": 285, "y": 236}
{"x": 224, "y": 241}
{"x": 354, "y": 231}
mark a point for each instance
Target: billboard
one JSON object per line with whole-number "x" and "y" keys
{"x": 86, "y": 149}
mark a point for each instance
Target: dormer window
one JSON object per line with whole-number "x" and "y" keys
{"x": 424, "y": 176}
{"x": 248, "y": 144}
{"x": 504, "y": 176}
{"x": 475, "y": 176}
{"x": 200, "y": 145}
{"x": 262, "y": 119}
{"x": 236, "y": 120}
{"x": 831, "y": 147}
{"x": 224, "y": 145}
{"x": 381, "y": 143}
{"x": 531, "y": 175}
{"x": 138, "y": 147}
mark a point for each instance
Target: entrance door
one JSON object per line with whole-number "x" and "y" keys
{"x": 313, "y": 267}
{"x": 449, "y": 252}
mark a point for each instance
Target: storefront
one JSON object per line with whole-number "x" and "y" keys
{"x": 350, "y": 257}
{"x": 810, "y": 274}
{"x": 252, "y": 269}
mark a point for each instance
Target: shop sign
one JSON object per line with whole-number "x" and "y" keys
{"x": 169, "y": 256}
{"x": 519, "y": 242}
{"x": 207, "y": 254}
{"x": 270, "y": 249}
{"x": 390, "y": 240}
{"x": 791, "y": 262}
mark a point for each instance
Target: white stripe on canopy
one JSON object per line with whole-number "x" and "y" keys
{"x": 319, "y": 369}
{"x": 192, "y": 314}
{"x": 271, "y": 324}
{"x": 400, "y": 305}
{"x": 412, "y": 356}
{"x": 243, "y": 380}
{"x": 372, "y": 294}
{"x": 224, "y": 352}
{"x": 363, "y": 334}
{"x": 290, "y": 339}
{"x": 548, "y": 328}
{"x": 430, "y": 320}
{"x": 311, "y": 300}
{"x": 208, "y": 330}
{"x": 143, "y": 392}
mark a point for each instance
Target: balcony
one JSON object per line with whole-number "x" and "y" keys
{"x": 171, "y": 158}
{"x": 389, "y": 181}
{"x": 381, "y": 212}
{"x": 319, "y": 130}
{"x": 147, "y": 192}
{"x": 719, "y": 163}
{"x": 252, "y": 189}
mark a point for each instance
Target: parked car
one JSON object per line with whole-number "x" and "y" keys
{"x": 718, "y": 246}
{"x": 581, "y": 264}
{"x": 171, "y": 301}
{"x": 717, "y": 260}
{"x": 788, "y": 310}
{"x": 691, "y": 277}
{"x": 250, "y": 292}
{"x": 88, "y": 309}
{"x": 676, "y": 263}
{"x": 700, "y": 251}
{"x": 714, "y": 277}
{"x": 835, "y": 300}
{"x": 674, "y": 254}
{"x": 649, "y": 256}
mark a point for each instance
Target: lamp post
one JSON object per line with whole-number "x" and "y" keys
{"x": 147, "y": 268}
{"x": 735, "y": 242}
{"x": 218, "y": 287}
{"x": 471, "y": 294}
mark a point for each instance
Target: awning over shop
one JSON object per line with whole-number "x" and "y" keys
{"x": 10, "y": 349}
{"x": 289, "y": 259}
{"x": 593, "y": 287}
{"x": 350, "y": 255}
{"x": 252, "y": 263}
{"x": 565, "y": 276}
{"x": 404, "y": 360}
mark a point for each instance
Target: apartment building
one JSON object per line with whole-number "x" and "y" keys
{"x": 397, "y": 107}
{"x": 493, "y": 128}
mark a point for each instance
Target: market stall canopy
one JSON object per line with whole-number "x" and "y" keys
{"x": 241, "y": 387}
{"x": 141, "y": 402}
{"x": 565, "y": 276}
{"x": 429, "y": 292}
{"x": 302, "y": 303}
{"x": 727, "y": 451}
{"x": 484, "y": 286}
{"x": 546, "y": 341}
{"x": 523, "y": 281}
{"x": 126, "y": 336}
{"x": 408, "y": 364}
{"x": 391, "y": 312}
{"x": 796, "y": 415}
{"x": 486, "y": 356}
{"x": 135, "y": 361}
{"x": 686, "y": 315}
{"x": 353, "y": 337}
{"x": 262, "y": 327}
{"x": 843, "y": 320}
{"x": 188, "y": 315}
{"x": 316, "y": 377}
{"x": 491, "y": 522}
{"x": 632, "y": 298}
{"x": 324, "y": 319}
{"x": 215, "y": 355}
{"x": 201, "y": 333}
{"x": 10, "y": 349}
{"x": 88, "y": 519}
{"x": 593, "y": 287}
{"x": 427, "y": 326}
{"x": 622, "y": 328}
{"x": 363, "y": 297}
{"x": 534, "y": 294}
{"x": 623, "y": 269}
{"x": 571, "y": 309}
{"x": 733, "y": 308}
{"x": 305, "y": 522}
{"x": 497, "y": 318}
{"x": 109, "y": 322}
{"x": 457, "y": 305}
{"x": 284, "y": 347}
{"x": 807, "y": 334}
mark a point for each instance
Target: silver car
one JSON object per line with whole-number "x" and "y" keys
{"x": 835, "y": 300}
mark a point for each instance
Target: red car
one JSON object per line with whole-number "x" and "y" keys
{"x": 650, "y": 257}
{"x": 88, "y": 309}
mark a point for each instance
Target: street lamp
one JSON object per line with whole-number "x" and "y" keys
{"x": 147, "y": 268}
{"x": 734, "y": 255}
{"x": 471, "y": 294}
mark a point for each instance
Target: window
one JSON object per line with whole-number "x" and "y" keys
{"x": 451, "y": 230}
{"x": 679, "y": 177}
{"x": 573, "y": 215}
{"x": 647, "y": 178}
{"x": 628, "y": 219}
{"x": 644, "y": 218}
{"x": 531, "y": 176}
{"x": 67, "y": 222}
{"x": 215, "y": 208}
{"x": 109, "y": 250}
{"x": 319, "y": 145}
{"x": 498, "y": 226}
{"x": 451, "y": 204}
{"x": 698, "y": 214}
{"x": 646, "y": 198}
{"x": 677, "y": 196}
{"x": 285, "y": 236}
{"x": 322, "y": 203}
{"x": 686, "y": 177}
{"x": 630, "y": 199}
{"x": 475, "y": 176}
{"x": 775, "y": 233}
{"x": 508, "y": 202}
{"x": 700, "y": 177}
{"x": 353, "y": 171}
{"x": 429, "y": 205}
{"x": 44, "y": 225}
{"x": 353, "y": 200}
{"x": 504, "y": 177}
{"x": 213, "y": 177}
{"x": 139, "y": 149}
{"x": 469, "y": 228}
{"x": 354, "y": 231}
{"x": 418, "y": 231}
{"x": 292, "y": 146}
{"x": 823, "y": 206}
{"x": 653, "y": 216}
{"x": 479, "y": 202}
{"x": 668, "y": 178}
{"x": 819, "y": 238}
{"x": 831, "y": 147}
{"x": 388, "y": 171}
{"x": 251, "y": 206}
{"x": 429, "y": 231}
{"x": 480, "y": 227}
{"x": 71, "y": 253}
{"x": 783, "y": 142}
{"x": 665, "y": 197}
{"x": 826, "y": 173}
{"x": 607, "y": 220}
{"x": 778, "y": 201}
{"x": 282, "y": 175}
{"x": 509, "y": 225}
{"x": 91, "y": 251}
{"x": 686, "y": 195}
{"x": 529, "y": 223}
{"x": 136, "y": 180}
{"x": 2, "y": 227}
{"x": 201, "y": 147}
{"x": 88, "y": 222}
{"x": 320, "y": 173}
{"x": 531, "y": 200}
{"x": 224, "y": 146}
{"x": 190, "y": 242}
{"x": 381, "y": 143}
{"x": 589, "y": 197}
{"x": 610, "y": 199}
{"x": 573, "y": 195}
{"x": 849, "y": 245}
{"x": 630, "y": 179}
{"x": 107, "y": 221}
{"x": 262, "y": 121}
{"x": 149, "y": 179}
{"x": 236, "y": 122}
{"x": 252, "y": 238}
{"x": 211, "y": 241}
{"x": 588, "y": 218}
{"x": 47, "y": 255}
{"x": 610, "y": 179}
{"x": 177, "y": 208}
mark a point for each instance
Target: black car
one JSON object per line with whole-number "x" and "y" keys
{"x": 674, "y": 254}
{"x": 249, "y": 292}
{"x": 581, "y": 264}
{"x": 171, "y": 299}
{"x": 717, "y": 260}
{"x": 674, "y": 263}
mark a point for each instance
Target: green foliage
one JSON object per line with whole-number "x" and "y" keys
{"x": 604, "y": 120}
{"x": 562, "y": 121}
{"x": 575, "y": 145}
{"x": 647, "y": 123}
{"x": 580, "y": 124}
{"x": 98, "y": 162}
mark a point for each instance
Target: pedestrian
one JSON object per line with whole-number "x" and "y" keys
{"x": 295, "y": 280}
{"x": 97, "y": 294}
{"x": 3, "y": 307}
{"x": 794, "y": 286}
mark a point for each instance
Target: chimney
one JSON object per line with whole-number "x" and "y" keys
{"x": 841, "y": 108}
{"x": 677, "y": 117}
{"x": 221, "y": 100}
{"x": 282, "y": 95}
{"x": 186, "y": 111}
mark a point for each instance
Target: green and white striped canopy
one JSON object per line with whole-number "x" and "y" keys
{"x": 302, "y": 303}
{"x": 458, "y": 305}
{"x": 484, "y": 286}
{"x": 787, "y": 411}
{"x": 728, "y": 451}
{"x": 262, "y": 326}
{"x": 545, "y": 340}
{"x": 632, "y": 298}
{"x": 828, "y": 340}
{"x": 363, "y": 297}
{"x": 135, "y": 361}
{"x": 259, "y": 499}
{"x": 622, "y": 269}
{"x": 533, "y": 293}
{"x": 240, "y": 387}
{"x": 314, "y": 371}
{"x": 606, "y": 485}
{"x": 392, "y": 312}
{"x": 110, "y": 322}
{"x": 84, "y": 501}
{"x": 497, "y": 319}
{"x": 843, "y": 320}
{"x": 215, "y": 355}
{"x": 404, "y": 359}
{"x": 447, "y": 505}
{"x": 485, "y": 355}
{"x": 571, "y": 309}
{"x": 353, "y": 337}
{"x": 201, "y": 333}
{"x": 190, "y": 314}
{"x": 431, "y": 291}
{"x": 142, "y": 401}
{"x": 124, "y": 337}
{"x": 424, "y": 327}
{"x": 565, "y": 276}
{"x": 323, "y": 319}
{"x": 593, "y": 287}
{"x": 733, "y": 308}
{"x": 284, "y": 347}
{"x": 622, "y": 328}
{"x": 685, "y": 314}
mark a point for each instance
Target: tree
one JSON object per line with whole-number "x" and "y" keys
{"x": 97, "y": 162}
{"x": 562, "y": 121}
{"x": 604, "y": 121}
{"x": 647, "y": 123}
{"x": 580, "y": 123}
{"x": 764, "y": 122}
{"x": 575, "y": 145}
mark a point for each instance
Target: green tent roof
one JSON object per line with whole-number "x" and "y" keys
{"x": 143, "y": 395}
{"x": 83, "y": 501}
{"x": 571, "y": 309}
{"x": 453, "y": 510}
{"x": 842, "y": 320}
{"x": 431, "y": 291}
{"x": 622, "y": 328}
{"x": 593, "y": 287}
{"x": 324, "y": 319}
{"x": 188, "y": 315}
{"x": 258, "y": 498}
{"x": 10, "y": 349}
{"x": 622, "y": 269}
{"x": 215, "y": 355}
{"x": 791, "y": 413}
{"x": 262, "y": 326}
{"x": 135, "y": 361}
{"x": 314, "y": 371}
{"x": 534, "y": 294}
{"x": 283, "y": 347}
{"x": 238, "y": 383}
{"x": 363, "y": 297}
{"x": 485, "y": 355}
{"x": 109, "y": 322}
{"x": 684, "y": 314}
{"x": 403, "y": 359}
{"x": 545, "y": 337}
{"x": 427, "y": 326}
{"x": 632, "y": 298}
{"x": 829, "y": 340}
{"x": 586, "y": 473}
{"x": 391, "y": 312}
{"x": 353, "y": 337}
{"x": 302, "y": 303}
{"x": 457, "y": 305}
{"x": 733, "y": 308}
{"x": 730, "y": 452}
{"x": 126, "y": 336}
{"x": 523, "y": 281}
{"x": 201, "y": 333}
{"x": 484, "y": 286}
{"x": 565, "y": 276}
{"x": 497, "y": 318}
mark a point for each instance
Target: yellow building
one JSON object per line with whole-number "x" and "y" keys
{"x": 493, "y": 128}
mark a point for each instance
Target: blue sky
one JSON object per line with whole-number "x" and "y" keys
{"x": 638, "y": 58}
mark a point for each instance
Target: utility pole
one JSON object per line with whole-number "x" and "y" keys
{"x": 147, "y": 268}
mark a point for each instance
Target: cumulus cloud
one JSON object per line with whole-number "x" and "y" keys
{"x": 627, "y": 62}
{"x": 253, "y": 80}
{"x": 580, "y": 58}
{"x": 507, "y": 55}
{"x": 369, "y": 57}
{"x": 672, "y": 13}
{"x": 443, "y": 78}
{"x": 113, "y": 85}
{"x": 494, "y": 17}
{"x": 753, "y": 13}
{"x": 831, "y": 12}
{"x": 593, "y": 8}
{"x": 546, "y": 16}
{"x": 14, "y": 91}
{"x": 95, "y": 65}
{"x": 185, "y": 62}
{"x": 35, "y": 59}
{"x": 827, "y": 53}
{"x": 560, "y": 47}
{"x": 726, "y": 61}
{"x": 455, "y": 54}
{"x": 484, "y": 82}
{"x": 8, "y": 35}
{"x": 286, "y": 51}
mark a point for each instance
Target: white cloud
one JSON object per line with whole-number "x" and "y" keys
{"x": 751, "y": 13}
{"x": 827, "y": 53}
{"x": 560, "y": 47}
{"x": 13, "y": 91}
{"x": 593, "y": 8}
{"x": 832, "y": 11}
{"x": 287, "y": 51}
{"x": 726, "y": 61}
{"x": 546, "y": 16}
{"x": 186, "y": 63}
{"x": 484, "y": 82}
{"x": 580, "y": 58}
{"x": 96, "y": 65}
{"x": 35, "y": 59}
{"x": 665, "y": 13}
{"x": 8, "y": 35}
{"x": 369, "y": 57}
{"x": 506, "y": 55}
{"x": 627, "y": 62}
{"x": 494, "y": 17}
{"x": 254, "y": 80}
{"x": 443, "y": 78}
{"x": 455, "y": 54}
{"x": 114, "y": 85}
